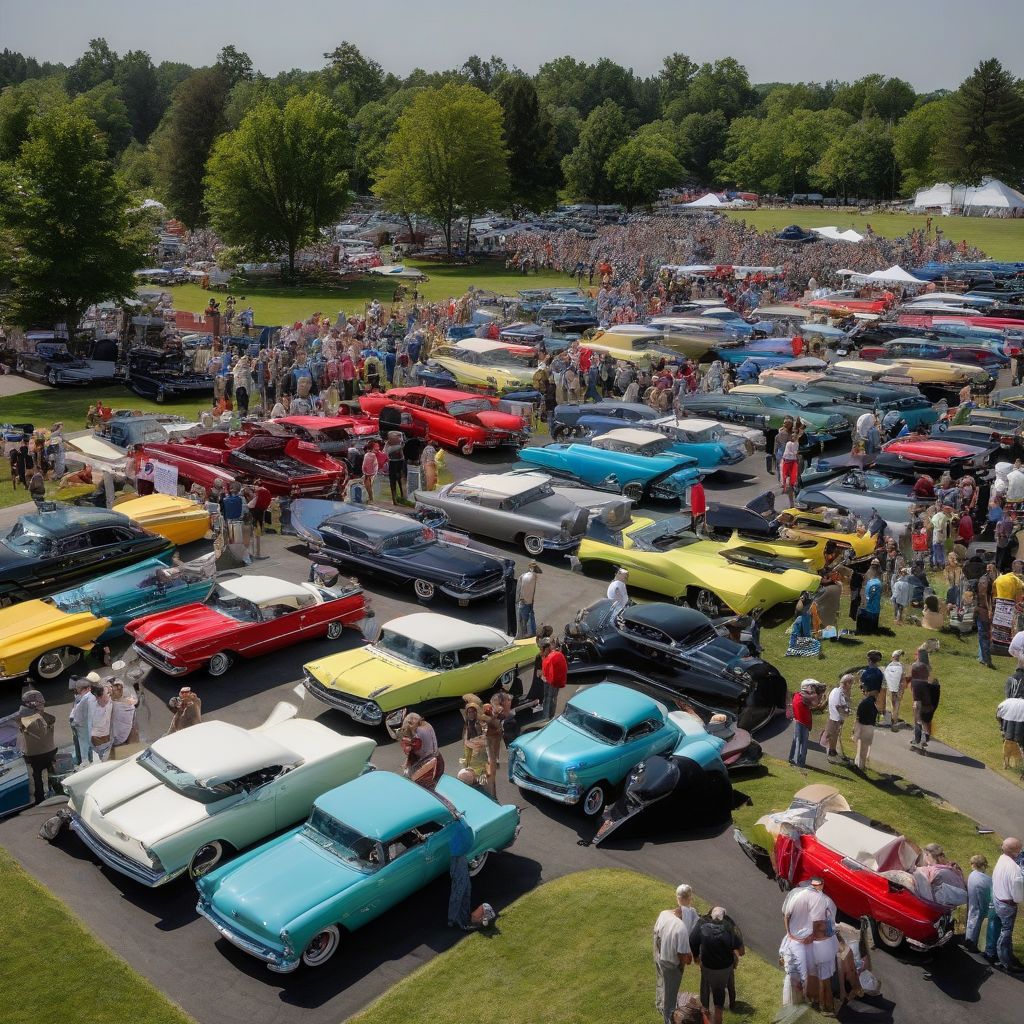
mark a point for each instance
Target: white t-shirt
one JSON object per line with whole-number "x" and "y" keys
{"x": 1015, "y": 486}
{"x": 1016, "y": 648}
{"x": 1008, "y": 880}
{"x": 617, "y": 593}
{"x": 805, "y": 906}
{"x": 838, "y": 705}
{"x": 864, "y": 423}
{"x": 671, "y": 938}
{"x": 893, "y": 673}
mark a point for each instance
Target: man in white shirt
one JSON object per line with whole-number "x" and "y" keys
{"x": 838, "y": 711}
{"x": 895, "y": 678}
{"x": 864, "y": 424}
{"x": 1015, "y": 485}
{"x": 1016, "y": 648}
{"x": 671, "y": 946}
{"x": 617, "y": 590}
{"x": 1007, "y": 895}
{"x": 805, "y": 912}
{"x": 940, "y": 530}
{"x": 81, "y": 716}
{"x": 526, "y": 591}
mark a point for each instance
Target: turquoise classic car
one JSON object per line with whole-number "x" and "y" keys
{"x": 617, "y": 462}
{"x": 366, "y": 846}
{"x": 584, "y": 754}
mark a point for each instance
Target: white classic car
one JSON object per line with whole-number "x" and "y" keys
{"x": 198, "y": 795}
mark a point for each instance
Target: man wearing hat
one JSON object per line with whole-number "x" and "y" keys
{"x": 36, "y": 727}
{"x": 81, "y": 715}
{"x": 526, "y": 592}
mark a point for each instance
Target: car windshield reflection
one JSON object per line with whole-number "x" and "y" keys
{"x": 599, "y": 728}
{"x": 233, "y": 607}
{"x": 347, "y": 843}
{"x": 406, "y": 649}
{"x": 24, "y": 542}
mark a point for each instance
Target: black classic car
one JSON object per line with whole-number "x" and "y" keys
{"x": 159, "y": 374}
{"x": 676, "y": 654}
{"x": 398, "y": 549}
{"x": 50, "y": 361}
{"x": 59, "y": 545}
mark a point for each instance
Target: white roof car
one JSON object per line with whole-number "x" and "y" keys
{"x": 693, "y": 424}
{"x": 632, "y": 329}
{"x": 632, "y": 436}
{"x": 484, "y": 345}
{"x": 264, "y": 590}
{"x": 444, "y": 633}
{"x": 504, "y": 484}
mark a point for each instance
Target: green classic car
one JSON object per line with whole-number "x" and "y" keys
{"x": 367, "y": 846}
{"x": 752, "y": 402}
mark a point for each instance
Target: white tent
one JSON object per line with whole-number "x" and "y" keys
{"x": 709, "y": 200}
{"x": 894, "y": 275}
{"x": 991, "y": 194}
{"x": 833, "y": 234}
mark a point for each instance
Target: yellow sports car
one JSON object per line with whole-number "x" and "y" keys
{"x": 477, "y": 363}
{"x": 800, "y": 524}
{"x": 180, "y": 520}
{"x": 422, "y": 660}
{"x": 37, "y": 637}
{"x": 666, "y": 557}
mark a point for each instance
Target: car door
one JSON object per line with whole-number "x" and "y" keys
{"x": 651, "y": 736}
{"x": 253, "y": 815}
{"x": 413, "y": 859}
{"x": 85, "y": 554}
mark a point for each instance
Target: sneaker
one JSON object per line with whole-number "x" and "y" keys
{"x": 914, "y": 745}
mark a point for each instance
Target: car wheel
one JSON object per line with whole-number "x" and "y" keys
{"x": 505, "y": 679}
{"x": 220, "y": 663}
{"x": 205, "y": 859}
{"x": 51, "y": 664}
{"x": 425, "y": 590}
{"x": 593, "y": 800}
{"x": 705, "y": 601}
{"x": 534, "y": 545}
{"x": 466, "y": 447}
{"x": 887, "y": 935}
{"x": 635, "y": 492}
{"x": 51, "y": 378}
{"x": 476, "y": 864}
{"x": 322, "y": 946}
{"x": 334, "y": 630}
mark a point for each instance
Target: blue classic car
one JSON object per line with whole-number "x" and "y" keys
{"x": 712, "y": 451}
{"x": 585, "y": 753}
{"x": 664, "y": 475}
{"x": 598, "y": 417}
{"x": 366, "y": 846}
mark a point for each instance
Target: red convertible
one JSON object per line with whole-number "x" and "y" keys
{"x": 868, "y": 873}
{"x": 243, "y": 618}
{"x": 331, "y": 434}
{"x": 284, "y": 465}
{"x": 456, "y": 419}
{"x": 930, "y": 453}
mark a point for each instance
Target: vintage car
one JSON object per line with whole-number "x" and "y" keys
{"x": 50, "y": 361}
{"x": 933, "y": 453}
{"x": 367, "y": 846}
{"x": 58, "y": 545}
{"x": 521, "y": 508}
{"x": 479, "y": 364}
{"x": 861, "y": 492}
{"x": 333, "y": 435}
{"x": 585, "y": 420}
{"x": 703, "y": 440}
{"x": 990, "y": 357}
{"x": 661, "y": 477}
{"x": 666, "y": 557}
{"x": 421, "y": 660}
{"x": 862, "y": 396}
{"x": 162, "y": 374}
{"x": 244, "y": 617}
{"x": 870, "y": 872}
{"x": 398, "y": 550}
{"x": 678, "y": 656}
{"x": 932, "y": 377}
{"x": 642, "y": 346}
{"x": 582, "y": 756}
{"x": 45, "y": 637}
{"x": 180, "y": 520}
{"x": 456, "y": 419}
{"x": 797, "y": 523}
{"x": 747, "y": 405}
{"x": 197, "y": 796}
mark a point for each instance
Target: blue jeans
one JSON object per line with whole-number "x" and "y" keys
{"x": 1006, "y": 913}
{"x": 83, "y": 744}
{"x": 984, "y": 640}
{"x": 995, "y": 926}
{"x": 798, "y": 749}
{"x": 939, "y": 554}
{"x": 526, "y": 619}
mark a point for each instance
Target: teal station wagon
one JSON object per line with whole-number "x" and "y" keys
{"x": 366, "y": 846}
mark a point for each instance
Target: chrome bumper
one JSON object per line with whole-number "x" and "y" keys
{"x": 141, "y": 873}
{"x": 275, "y": 960}
{"x": 366, "y": 711}
{"x": 560, "y": 794}
{"x": 153, "y": 657}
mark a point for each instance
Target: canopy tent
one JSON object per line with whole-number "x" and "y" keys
{"x": 709, "y": 200}
{"x": 991, "y": 194}
{"x": 397, "y": 270}
{"x": 894, "y": 275}
{"x": 833, "y": 234}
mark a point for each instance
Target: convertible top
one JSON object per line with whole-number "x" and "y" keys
{"x": 877, "y": 850}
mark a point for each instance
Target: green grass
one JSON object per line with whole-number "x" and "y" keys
{"x": 52, "y": 969}
{"x": 1000, "y": 239}
{"x": 577, "y": 949}
{"x": 282, "y": 305}
{"x": 883, "y": 798}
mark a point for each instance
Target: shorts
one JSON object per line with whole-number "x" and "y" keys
{"x": 794, "y": 959}
{"x": 823, "y": 954}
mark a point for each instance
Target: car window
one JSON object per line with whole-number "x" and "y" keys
{"x": 600, "y": 728}
{"x": 100, "y": 538}
{"x": 646, "y": 728}
{"x": 410, "y": 840}
{"x": 81, "y": 542}
{"x": 471, "y": 655}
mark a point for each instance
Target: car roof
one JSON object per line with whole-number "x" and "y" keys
{"x": 503, "y": 484}
{"x": 443, "y": 633}
{"x": 597, "y": 407}
{"x": 381, "y": 805}
{"x": 375, "y": 523}
{"x": 677, "y": 622}
{"x": 632, "y": 329}
{"x": 631, "y": 435}
{"x": 485, "y": 345}
{"x": 687, "y": 422}
{"x": 59, "y": 522}
{"x": 616, "y": 704}
{"x": 219, "y": 750}
{"x": 756, "y": 389}
{"x": 263, "y": 590}
{"x": 441, "y": 394}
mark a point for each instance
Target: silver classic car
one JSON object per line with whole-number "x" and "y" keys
{"x": 520, "y": 507}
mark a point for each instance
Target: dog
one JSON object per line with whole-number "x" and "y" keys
{"x": 1012, "y": 754}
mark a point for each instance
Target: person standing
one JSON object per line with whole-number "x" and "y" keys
{"x": 715, "y": 947}
{"x": 81, "y": 716}
{"x": 123, "y": 726}
{"x": 371, "y": 465}
{"x": 867, "y": 616}
{"x": 526, "y": 593}
{"x": 1007, "y": 895}
{"x": 924, "y": 711}
{"x": 671, "y": 948}
{"x": 395, "y": 451}
{"x": 979, "y": 901}
{"x": 187, "y": 708}
{"x": 428, "y": 467}
{"x": 259, "y": 511}
{"x": 101, "y": 722}
{"x": 244, "y": 384}
{"x": 864, "y": 726}
{"x": 804, "y": 701}
{"x": 983, "y": 601}
{"x": 617, "y": 592}
{"x": 460, "y": 842}
{"x": 838, "y": 711}
{"x": 940, "y": 531}
{"x": 555, "y": 671}
{"x": 895, "y": 683}
{"x": 873, "y": 679}
{"x": 35, "y": 725}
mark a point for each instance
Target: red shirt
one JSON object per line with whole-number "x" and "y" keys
{"x": 801, "y": 709}
{"x": 262, "y": 498}
{"x": 555, "y": 669}
{"x": 698, "y": 500}
{"x": 965, "y": 529}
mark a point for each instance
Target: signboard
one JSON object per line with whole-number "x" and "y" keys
{"x": 165, "y": 478}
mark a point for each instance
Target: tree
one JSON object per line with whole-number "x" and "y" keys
{"x": 97, "y": 65}
{"x": 235, "y": 65}
{"x": 19, "y": 104}
{"x": 915, "y": 141}
{"x": 104, "y": 106}
{"x": 985, "y": 129}
{"x": 534, "y": 172}
{"x": 876, "y": 96}
{"x": 641, "y": 166}
{"x": 677, "y": 71}
{"x": 566, "y": 122}
{"x": 184, "y": 140}
{"x": 858, "y": 161}
{"x": 276, "y": 180}
{"x": 371, "y": 128}
{"x": 136, "y": 80}
{"x": 169, "y": 75}
{"x": 484, "y": 74}
{"x": 446, "y": 158}
{"x": 701, "y": 141}
{"x": 563, "y": 82}
{"x": 137, "y": 166}
{"x": 352, "y": 79}
{"x": 68, "y": 241}
{"x": 805, "y": 136}
{"x": 604, "y": 130}
{"x": 723, "y": 85}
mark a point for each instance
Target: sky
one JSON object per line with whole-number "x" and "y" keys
{"x": 931, "y": 43}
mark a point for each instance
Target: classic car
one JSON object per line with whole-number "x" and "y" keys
{"x": 869, "y": 870}
{"x": 666, "y": 557}
{"x": 794, "y": 523}
{"x": 457, "y": 419}
{"x": 862, "y": 395}
{"x": 745, "y": 406}
{"x": 988, "y": 440}
{"x": 678, "y": 656}
{"x": 419, "y": 660}
{"x": 243, "y": 618}
{"x": 520, "y": 508}
{"x": 522, "y": 334}
{"x": 202, "y": 794}
{"x": 861, "y": 492}
{"x": 710, "y": 453}
{"x": 193, "y": 465}
{"x": 641, "y": 346}
{"x": 58, "y": 545}
{"x": 333, "y": 435}
{"x": 931, "y": 453}
{"x": 582, "y": 756}
{"x": 398, "y": 550}
{"x": 50, "y": 361}
{"x": 479, "y": 364}
{"x": 767, "y": 352}
{"x": 989, "y": 357}
{"x": 367, "y": 846}
{"x": 45, "y": 637}
{"x": 161, "y": 374}
{"x": 598, "y": 417}
{"x": 180, "y": 520}
{"x": 932, "y": 377}
{"x": 662, "y": 477}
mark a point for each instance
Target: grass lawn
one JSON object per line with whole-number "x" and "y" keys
{"x": 42, "y": 939}
{"x": 883, "y": 798}
{"x": 970, "y": 692}
{"x": 602, "y": 971}
{"x": 1000, "y": 239}
{"x": 281, "y": 305}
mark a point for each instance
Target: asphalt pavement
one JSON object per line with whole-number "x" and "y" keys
{"x": 159, "y": 933}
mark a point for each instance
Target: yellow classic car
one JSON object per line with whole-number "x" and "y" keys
{"x": 422, "y": 660}
{"x": 633, "y": 344}
{"x": 492, "y": 365}
{"x": 798, "y": 523}
{"x": 180, "y": 520}
{"x": 37, "y": 637}
{"x": 922, "y": 372}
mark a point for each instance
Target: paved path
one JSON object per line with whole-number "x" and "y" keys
{"x": 11, "y": 384}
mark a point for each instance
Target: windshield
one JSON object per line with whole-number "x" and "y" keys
{"x": 599, "y": 728}
{"x": 513, "y": 360}
{"x": 666, "y": 535}
{"x": 406, "y": 649}
{"x": 464, "y": 407}
{"x": 341, "y": 840}
{"x": 180, "y": 780}
{"x": 877, "y": 482}
{"x": 654, "y": 447}
{"x": 234, "y": 607}
{"x": 25, "y": 542}
{"x": 407, "y": 540}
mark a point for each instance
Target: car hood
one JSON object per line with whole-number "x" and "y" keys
{"x": 556, "y": 747}
{"x": 172, "y": 630}
{"x": 365, "y": 672}
{"x": 12, "y": 564}
{"x": 491, "y": 419}
{"x": 448, "y": 559}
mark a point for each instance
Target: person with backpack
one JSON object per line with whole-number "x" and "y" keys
{"x": 716, "y": 945}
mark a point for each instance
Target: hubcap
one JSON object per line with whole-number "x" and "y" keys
{"x": 594, "y": 800}
{"x": 51, "y": 664}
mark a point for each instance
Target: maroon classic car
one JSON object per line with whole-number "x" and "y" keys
{"x": 455, "y": 419}
{"x": 284, "y": 465}
{"x": 331, "y": 434}
{"x": 243, "y": 618}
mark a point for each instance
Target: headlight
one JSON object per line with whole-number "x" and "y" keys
{"x": 570, "y": 775}
{"x": 286, "y": 944}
